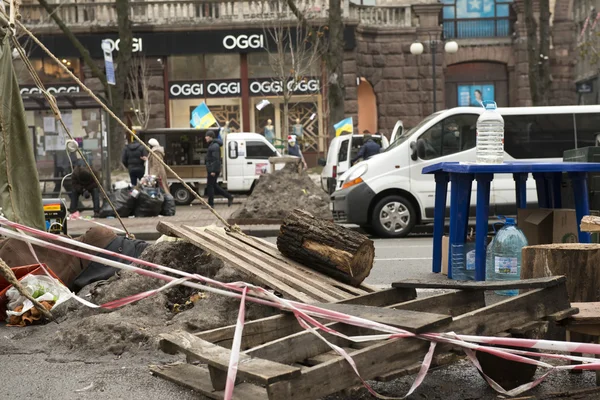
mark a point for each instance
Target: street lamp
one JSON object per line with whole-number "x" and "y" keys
{"x": 417, "y": 49}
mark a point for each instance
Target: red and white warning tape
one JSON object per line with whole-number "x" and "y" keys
{"x": 306, "y": 315}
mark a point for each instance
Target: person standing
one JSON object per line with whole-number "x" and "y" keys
{"x": 294, "y": 149}
{"x": 213, "y": 169}
{"x": 134, "y": 158}
{"x": 82, "y": 180}
{"x": 368, "y": 149}
{"x": 155, "y": 167}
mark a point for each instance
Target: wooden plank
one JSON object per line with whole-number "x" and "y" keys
{"x": 383, "y": 297}
{"x": 255, "y": 332}
{"x": 255, "y": 369}
{"x": 438, "y": 361}
{"x": 529, "y": 327}
{"x": 453, "y": 303}
{"x": 475, "y": 285}
{"x": 589, "y": 313}
{"x": 324, "y": 357}
{"x": 385, "y": 356}
{"x": 212, "y": 246}
{"x": 264, "y": 330}
{"x": 412, "y": 321}
{"x": 272, "y": 250}
{"x": 562, "y": 315}
{"x": 197, "y": 378}
{"x": 303, "y": 278}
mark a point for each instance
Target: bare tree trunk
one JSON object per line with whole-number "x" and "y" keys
{"x": 538, "y": 51}
{"x": 124, "y": 61}
{"x": 334, "y": 60}
{"x": 96, "y": 72}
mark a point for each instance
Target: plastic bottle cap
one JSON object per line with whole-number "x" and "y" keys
{"x": 510, "y": 221}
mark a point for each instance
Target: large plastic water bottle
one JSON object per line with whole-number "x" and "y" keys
{"x": 463, "y": 261}
{"x": 503, "y": 259}
{"x": 490, "y": 135}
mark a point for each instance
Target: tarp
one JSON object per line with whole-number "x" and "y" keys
{"x": 20, "y": 194}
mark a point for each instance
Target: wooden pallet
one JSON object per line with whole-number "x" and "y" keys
{"x": 265, "y": 265}
{"x": 282, "y": 361}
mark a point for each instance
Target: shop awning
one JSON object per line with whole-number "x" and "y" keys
{"x": 65, "y": 101}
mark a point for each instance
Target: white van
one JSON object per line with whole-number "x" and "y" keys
{"x": 389, "y": 195}
{"x": 342, "y": 150}
{"x": 245, "y": 156}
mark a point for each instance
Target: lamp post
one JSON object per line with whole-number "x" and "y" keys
{"x": 417, "y": 49}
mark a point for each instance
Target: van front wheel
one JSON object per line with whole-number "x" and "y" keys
{"x": 393, "y": 217}
{"x": 182, "y": 196}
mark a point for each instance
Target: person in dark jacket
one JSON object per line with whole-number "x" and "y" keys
{"x": 134, "y": 158}
{"x": 368, "y": 149}
{"x": 82, "y": 181}
{"x": 294, "y": 149}
{"x": 213, "y": 169}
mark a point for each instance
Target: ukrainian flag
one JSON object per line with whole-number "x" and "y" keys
{"x": 344, "y": 125}
{"x": 202, "y": 118}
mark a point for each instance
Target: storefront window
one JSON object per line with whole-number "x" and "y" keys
{"x": 186, "y": 68}
{"x": 264, "y": 65}
{"x": 204, "y": 66}
{"x": 48, "y": 71}
{"x": 222, "y": 66}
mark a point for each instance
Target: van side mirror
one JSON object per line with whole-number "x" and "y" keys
{"x": 413, "y": 148}
{"x": 322, "y": 162}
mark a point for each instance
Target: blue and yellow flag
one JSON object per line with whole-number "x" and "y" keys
{"x": 344, "y": 125}
{"x": 202, "y": 118}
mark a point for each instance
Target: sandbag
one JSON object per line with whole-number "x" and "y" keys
{"x": 99, "y": 272}
{"x": 168, "y": 207}
{"x": 149, "y": 203}
{"x": 123, "y": 201}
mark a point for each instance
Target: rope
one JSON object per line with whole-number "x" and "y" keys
{"x": 234, "y": 228}
{"x": 52, "y": 102}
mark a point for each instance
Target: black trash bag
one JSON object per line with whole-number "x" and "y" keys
{"x": 122, "y": 200}
{"x": 99, "y": 272}
{"x": 149, "y": 203}
{"x": 168, "y": 207}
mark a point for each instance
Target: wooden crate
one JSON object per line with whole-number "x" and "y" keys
{"x": 282, "y": 361}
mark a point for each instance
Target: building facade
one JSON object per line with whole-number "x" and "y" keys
{"x": 218, "y": 52}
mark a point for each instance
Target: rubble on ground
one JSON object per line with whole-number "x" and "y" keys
{"x": 282, "y": 191}
{"x": 135, "y": 328}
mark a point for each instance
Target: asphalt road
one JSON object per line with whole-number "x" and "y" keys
{"x": 397, "y": 259}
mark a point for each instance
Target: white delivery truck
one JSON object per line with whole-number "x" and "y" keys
{"x": 389, "y": 195}
{"x": 342, "y": 150}
{"x": 245, "y": 156}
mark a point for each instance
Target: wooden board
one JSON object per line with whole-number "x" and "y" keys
{"x": 412, "y": 321}
{"x": 589, "y": 313}
{"x": 590, "y": 223}
{"x": 198, "y": 378}
{"x": 258, "y": 263}
{"x": 535, "y": 283}
{"x": 255, "y": 369}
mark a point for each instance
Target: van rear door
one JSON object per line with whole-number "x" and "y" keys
{"x": 398, "y": 131}
{"x": 235, "y": 158}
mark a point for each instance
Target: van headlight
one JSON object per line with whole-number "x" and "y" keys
{"x": 355, "y": 176}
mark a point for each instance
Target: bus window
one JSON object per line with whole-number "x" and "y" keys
{"x": 588, "y": 126}
{"x": 538, "y": 136}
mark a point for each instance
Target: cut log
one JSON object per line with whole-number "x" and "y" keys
{"x": 577, "y": 262}
{"x": 326, "y": 247}
{"x": 590, "y": 223}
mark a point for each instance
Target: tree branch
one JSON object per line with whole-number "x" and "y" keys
{"x": 96, "y": 72}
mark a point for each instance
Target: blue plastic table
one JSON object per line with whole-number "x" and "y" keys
{"x": 547, "y": 177}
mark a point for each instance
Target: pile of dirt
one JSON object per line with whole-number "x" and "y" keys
{"x": 282, "y": 191}
{"x": 135, "y": 328}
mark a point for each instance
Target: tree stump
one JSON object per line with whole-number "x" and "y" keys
{"x": 580, "y": 263}
{"x": 326, "y": 247}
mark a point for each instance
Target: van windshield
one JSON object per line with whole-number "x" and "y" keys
{"x": 402, "y": 138}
